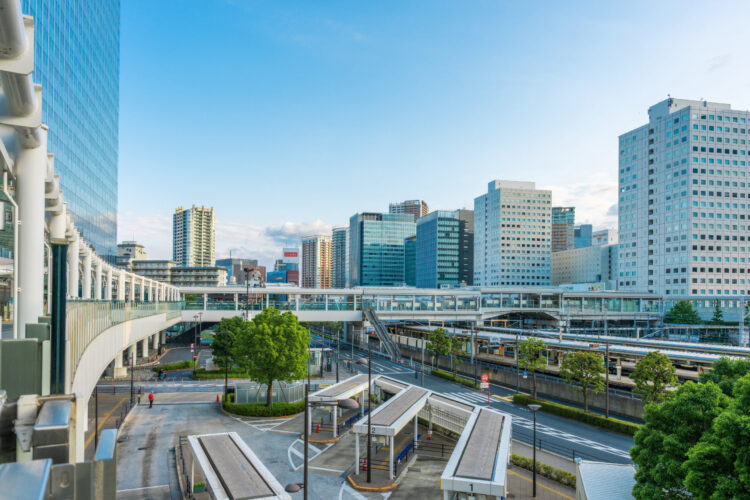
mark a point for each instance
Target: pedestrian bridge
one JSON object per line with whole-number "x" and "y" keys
{"x": 460, "y": 304}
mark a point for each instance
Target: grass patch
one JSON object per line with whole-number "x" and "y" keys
{"x": 179, "y": 365}
{"x": 214, "y": 374}
{"x": 612, "y": 424}
{"x": 279, "y": 409}
{"x": 563, "y": 477}
{"x": 458, "y": 379}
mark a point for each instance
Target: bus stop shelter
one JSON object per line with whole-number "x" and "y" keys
{"x": 330, "y": 396}
{"x": 478, "y": 465}
{"x": 231, "y": 469}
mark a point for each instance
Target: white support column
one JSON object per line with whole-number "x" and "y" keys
{"x": 31, "y": 170}
{"x": 356, "y": 452}
{"x": 132, "y": 287}
{"x": 86, "y": 281}
{"x": 144, "y": 348}
{"x": 98, "y": 280}
{"x": 416, "y": 431}
{"x": 132, "y": 355}
{"x": 309, "y": 420}
{"x": 155, "y": 341}
{"x": 335, "y": 419}
{"x": 80, "y": 426}
{"x": 390, "y": 446}
{"x": 143, "y": 289}
{"x": 121, "y": 286}
{"x": 120, "y": 370}
{"x": 155, "y": 290}
{"x": 73, "y": 254}
{"x": 108, "y": 284}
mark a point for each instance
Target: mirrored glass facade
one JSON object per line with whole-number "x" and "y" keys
{"x": 77, "y": 62}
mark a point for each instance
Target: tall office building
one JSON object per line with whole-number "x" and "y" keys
{"x": 193, "y": 237}
{"x": 417, "y": 208}
{"x": 410, "y": 261}
{"x": 77, "y": 61}
{"x": 512, "y": 235}
{"x": 236, "y": 269}
{"x": 316, "y": 261}
{"x": 683, "y": 206}
{"x": 604, "y": 237}
{"x": 592, "y": 264}
{"x": 340, "y": 250}
{"x": 376, "y": 248}
{"x": 445, "y": 249}
{"x": 563, "y": 224}
{"x": 583, "y": 235}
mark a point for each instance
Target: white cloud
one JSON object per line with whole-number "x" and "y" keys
{"x": 241, "y": 239}
{"x": 595, "y": 203}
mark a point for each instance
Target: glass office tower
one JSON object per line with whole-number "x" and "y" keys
{"x": 77, "y": 61}
{"x": 376, "y": 248}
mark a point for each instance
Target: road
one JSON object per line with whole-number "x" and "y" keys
{"x": 557, "y": 434}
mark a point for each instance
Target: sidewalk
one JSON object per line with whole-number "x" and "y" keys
{"x": 544, "y": 457}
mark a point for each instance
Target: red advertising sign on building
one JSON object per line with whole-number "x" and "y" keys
{"x": 290, "y": 254}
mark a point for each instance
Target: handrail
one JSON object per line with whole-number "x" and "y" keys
{"x": 86, "y": 319}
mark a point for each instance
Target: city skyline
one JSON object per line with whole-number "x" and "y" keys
{"x": 508, "y": 93}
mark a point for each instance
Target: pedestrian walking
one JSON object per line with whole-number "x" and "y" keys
{"x": 150, "y": 399}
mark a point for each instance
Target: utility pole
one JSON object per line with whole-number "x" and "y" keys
{"x": 518, "y": 382}
{"x": 606, "y": 413}
{"x": 473, "y": 348}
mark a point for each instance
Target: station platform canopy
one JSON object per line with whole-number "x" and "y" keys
{"x": 478, "y": 464}
{"x": 343, "y": 390}
{"x": 231, "y": 469}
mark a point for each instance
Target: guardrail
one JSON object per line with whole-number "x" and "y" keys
{"x": 86, "y": 319}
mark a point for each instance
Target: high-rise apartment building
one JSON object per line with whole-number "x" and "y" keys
{"x": 417, "y": 208}
{"x": 445, "y": 249}
{"x": 683, "y": 208}
{"x": 583, "y": 235}
{"x": 376, "y": 248}
{"x": 77, "y": 61}
{"x": 563, "y": 224}
{"x": 128, "y": 251}
{"x": 340, "y": 251}
{"x": 193, "y": 236}
{"x": 316, "y": 261}
{"x": 512, "y": 235}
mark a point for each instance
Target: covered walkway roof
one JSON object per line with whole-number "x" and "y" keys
{"x": 394, "y": 414}
{"x": 231, "y": 469}
{"x": 478, "y": 463}
{"x": 342, "y": 390}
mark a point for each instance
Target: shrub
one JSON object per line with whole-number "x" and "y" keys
{"x": 449, "y": 376}
{"x": 563, "y": 477}
{"x": 612, "y": 424}
{"x": 178, "y": 365}
{"x": 213, "y": 374}
{"x": 261, "y": 410}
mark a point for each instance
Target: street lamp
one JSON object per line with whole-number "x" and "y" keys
{"x": 534, "y": 409}
{"x": 247, "y": 270}
{"x": 199, "y": 319}
{"x": 348, "y": 404}
{"x": 368, "y": 362}
{"x": 131, "y": 379}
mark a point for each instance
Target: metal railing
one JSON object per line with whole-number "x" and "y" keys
{"x": 526, "y": 436}
{"x": 86, "y": 319}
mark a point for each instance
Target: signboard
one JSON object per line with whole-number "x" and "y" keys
{"x": 290, "y": 254}
{"x": 485, "y": 378}
{"x": 484, "y": 385}
{"x": 525, "y": 374}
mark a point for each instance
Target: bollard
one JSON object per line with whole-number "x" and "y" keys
{"x": 429, "y": 435}
{"x": 317, "y": 428}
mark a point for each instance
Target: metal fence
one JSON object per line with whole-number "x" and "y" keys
{"x": 254, "y": 392}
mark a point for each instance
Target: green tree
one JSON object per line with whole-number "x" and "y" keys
{"x": 439, "y": 344}
{"x": 222, "y": 346}
{"x": 273, "y": 347}
{"x": 717, "y": 318}
{"x": 725, "y": 372}
{"x": 586, "y": 368}
{"x": 530, "y": 358}
{"x": 718, "y": 466}
{"x": 652, "y": 375}
{"x": 683, "y": 313}
{"x": 456, "y": 348}
{"x": 671, "y": 429}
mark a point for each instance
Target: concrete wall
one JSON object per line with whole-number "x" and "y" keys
{"x": 618, "y": 405}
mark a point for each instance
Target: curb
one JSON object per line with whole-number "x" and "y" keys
{"x": 369, "y": 488}
{"x": 321, "y": 441}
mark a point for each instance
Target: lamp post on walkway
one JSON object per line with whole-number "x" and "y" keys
{"x": 131, "y": 379}
{"x": 534, "y": 409}
{"x": 247, "y": 293}
{"x": 368, "y": 362}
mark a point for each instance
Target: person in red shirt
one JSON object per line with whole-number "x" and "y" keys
{"x": 150, "y": 399}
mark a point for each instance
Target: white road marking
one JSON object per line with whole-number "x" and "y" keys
{"x": 144, "y": 488}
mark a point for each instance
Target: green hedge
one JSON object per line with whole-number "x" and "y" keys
{"x": 179, "y": 365}
{"x": 563, "y": 477}
{"x": 449, "y": 376}
{"x": 214, "y": 374}
{"x": 261, "y": 410}
{"x": 612, "y": 424}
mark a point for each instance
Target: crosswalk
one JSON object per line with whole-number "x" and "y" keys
{"x": 472, "y": 398}
{"x": 264, "y": 425}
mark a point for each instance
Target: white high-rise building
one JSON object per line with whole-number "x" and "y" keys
{"x": 316, "y": 261}
{"x": 683, "y": 204}
{"x": 193, "y": 236}
{"x": 512, "y": 235}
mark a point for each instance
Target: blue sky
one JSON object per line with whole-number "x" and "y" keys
{"x": 289, "y": 117}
